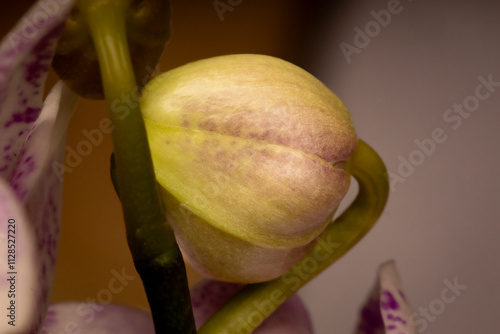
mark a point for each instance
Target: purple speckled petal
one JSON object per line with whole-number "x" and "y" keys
{"x": 35, "y": 189}
{"x": 207, "y": 296}
{"x": 31, "y": 136}
{"x": 386, "y": 310}
{"x": 43, "y": 143}
{"x": 25, "y": 58}
{"x": 41, "y": 186}
{"x": 394, "y": 307}
{"x": 82, "y": 317}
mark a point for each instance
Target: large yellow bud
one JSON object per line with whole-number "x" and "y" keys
{"x": 250, "y": 151}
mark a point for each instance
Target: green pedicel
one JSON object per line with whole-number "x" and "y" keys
{"x": 151, "y": 240}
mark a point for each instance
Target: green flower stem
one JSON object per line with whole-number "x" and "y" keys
{"x": 151, "y": 240}
{"x": 255, "y": 302}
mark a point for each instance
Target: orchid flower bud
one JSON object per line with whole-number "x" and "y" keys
{"x": 250, "y": 151}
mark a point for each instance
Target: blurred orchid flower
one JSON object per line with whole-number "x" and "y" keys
{"x": 32, "y": 136}
{"x": 385, "y": 311}
{"x": 206, "y": 296}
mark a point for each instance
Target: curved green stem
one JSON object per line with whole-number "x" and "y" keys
{"x": 255, "y": 302}
{"x": 151, "y": 240}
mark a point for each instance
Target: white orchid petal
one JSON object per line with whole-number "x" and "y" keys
{"x": 27, "y": 152}
{"x": 25, "y": 58}
{"x": 43, "y": 185}
{"x": 386, "y": 310}
{"x": 394, "y": 307}
{"x": 92, "y": 318}
{"x": 43, "y": 141}
{"x": 17, "y": 244}
{"x": 38, "y": 190}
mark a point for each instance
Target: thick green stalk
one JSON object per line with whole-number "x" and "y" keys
{"x": 255, "y": 302}
{"x": 151, "y": 240}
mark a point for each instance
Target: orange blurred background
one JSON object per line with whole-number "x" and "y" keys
{"x": 93, "y": 245}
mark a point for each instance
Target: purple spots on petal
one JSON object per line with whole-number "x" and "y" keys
{"x": 20, "y": 179}
{"x": 24, "y": 65}
{"x": 388, "y": 302}
{"x": 43, "y": 208}
{"x": 371, "y": 318}
{"x": 31, "y": 167}
{"x": 28, "y": 116}
{"x": 396, "y": 318}
{"x": 51, "y": 318}
{"x": 21, "y": 88}
{"x": 37, "y": 69}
